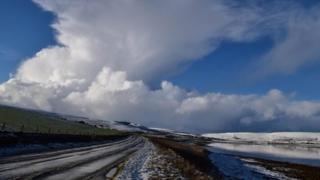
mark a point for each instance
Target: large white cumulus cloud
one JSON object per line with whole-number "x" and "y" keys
{"x": 112, "y": 97}
{"x": 146, "y": 39}
{"x": 110, "y": 51}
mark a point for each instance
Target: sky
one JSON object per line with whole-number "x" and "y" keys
{"x": 198, "y": 66}
{"x": 25, "y": 30}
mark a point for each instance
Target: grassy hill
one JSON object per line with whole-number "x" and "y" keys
{"x": 29, "y": 121}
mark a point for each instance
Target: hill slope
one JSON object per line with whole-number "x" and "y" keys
{"x": 29, "y": 121}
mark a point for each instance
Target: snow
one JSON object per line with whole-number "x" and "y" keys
{"x": 161, "y": 129}
{"x": 89, "y": 168}
{"x": 149, "y": 163}
{"x": 89, "y": 158}
{"x": 111, "y": 173}
{"x": 129, "y": 127}
{"x": 171, "y": 131}
{"x": 293, "y": 147}
{"x": 266, "y": 172}
{"x": 289, "y": 153}
{"x": 135, "y": 168}
{"x": 264, "y": 138}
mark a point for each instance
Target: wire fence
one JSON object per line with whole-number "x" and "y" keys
{"x": 5, "y": 127}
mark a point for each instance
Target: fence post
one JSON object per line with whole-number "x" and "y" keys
{"x": 22, "y": 128}
{"x": 3, "y": 126}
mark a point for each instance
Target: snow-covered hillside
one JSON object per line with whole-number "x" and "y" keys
{"x": 121, "y": 126}
{"x": 260, "y": 138}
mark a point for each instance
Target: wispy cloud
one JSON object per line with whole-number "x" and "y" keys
{"x": 297, "y": 48}
{"x": 8, "y": 54}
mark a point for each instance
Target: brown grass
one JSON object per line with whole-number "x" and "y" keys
{"x": 194, "y": 164}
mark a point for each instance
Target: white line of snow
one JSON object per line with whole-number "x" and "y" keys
{"x": 276, "y": 137}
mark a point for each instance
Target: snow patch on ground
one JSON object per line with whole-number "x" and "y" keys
{"x": 262, "y": 138}
{"x": 135, "y": 168}
{"x": 266, "y": 172}
{"x": 150, "y": 163}
{"x": 171, "y": 131}
{"x": 294, "y": 153}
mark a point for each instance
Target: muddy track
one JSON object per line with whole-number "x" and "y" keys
{"x": 78, "y": 163}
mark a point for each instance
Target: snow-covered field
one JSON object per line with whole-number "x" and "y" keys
{"x": 266, "y": 138}
{"x": 295, "y": 147}
{"x": 171, "y": 131}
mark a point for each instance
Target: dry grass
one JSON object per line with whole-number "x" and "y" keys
{"x": 191, "y": 159}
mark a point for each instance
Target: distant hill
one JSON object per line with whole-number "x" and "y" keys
{"x": 267, "y": 138}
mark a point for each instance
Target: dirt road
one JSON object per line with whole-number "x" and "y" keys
{"x": 92, "y": 162}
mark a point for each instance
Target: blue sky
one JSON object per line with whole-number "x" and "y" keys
{"x": 26, "y": 29}
{"x": 203, "y": 66}
{"x": 226, "y": 70}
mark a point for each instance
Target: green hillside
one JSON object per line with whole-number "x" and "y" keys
{"x": 21, "y": 120}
